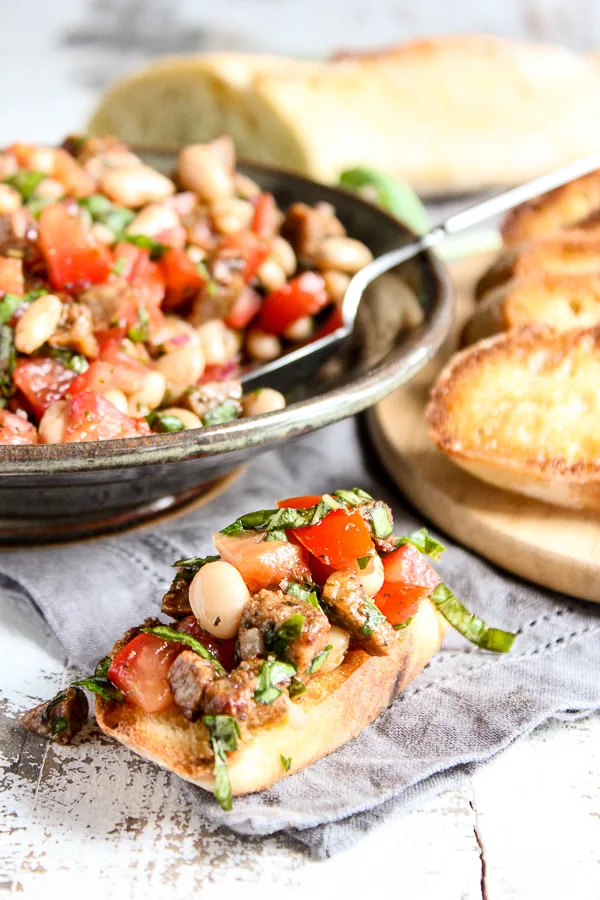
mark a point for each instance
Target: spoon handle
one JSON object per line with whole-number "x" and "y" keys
{"x": 460, "y": 221}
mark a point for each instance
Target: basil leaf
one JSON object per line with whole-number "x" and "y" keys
{"x": 279, "y": 639}
{"x": 397, "y": 197}
{"x": 139, "y": 333}
{"x": 36, "y": 204}
{"x": 470, "y": 626}
{"x": 225, "y": 412}
{"x": 382, "y": 527}
{"x": 363, "y": 561}
{"x": 373, "y": 617}
{"x": 147, "y": 243}
{"x": 296, "y": 687}
{"x": 423, "y": 541}
{"x": 8, "y": 360}
{"x": 282, "y": 519}
{"x": 224, "y": 732}
{"x": 119, "y": 266}
{"x": 182, "y": 637}
{"x": 62, "y": 695}
{"x": 319, "y": 659}
{"x": 25, "y": 182}
{"x": 403, "y": 625}
{"x": 74, "y": 361}
{"x": 194, "y": 563}
{"x": 99, "y": 684}
{"x": 304, "y": 592}
{"x": 97, "y": 205}
{"x": 277, "y": 536}
{"x": 353, "y": 498}
{"x": 59, "y": 725}
{"x": 101, "y": 210}
{"x": 8, "y": 305}
{"x": 272, "y": 672}
{"x": 162, "y": 423}
{"x": 286, "y": 762}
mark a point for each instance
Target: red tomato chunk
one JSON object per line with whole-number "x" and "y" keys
{"x": 302, "y": 296}
{"x": 140, "y": 670}
{"x": 262, "y": 563}
{"x": 72, "y": 254}
{"x": 408, "y": 579}
{"x": 92, "y": 418}
{"x": 338, "y": 540}
{"x": 43, "y": 381}
{"x": 16, "y": 431}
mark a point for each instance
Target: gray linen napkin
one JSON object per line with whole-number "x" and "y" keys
{"x": 466, "y": 706}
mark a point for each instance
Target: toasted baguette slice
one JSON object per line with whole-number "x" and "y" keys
{"x": 336, "y": 706}
{"x": 572, "y": 252}
{"x": 576, "y": 203}
{"x": 560, "y": 301}
{"x": 449, "y": 114}
{"x": 522, "y": 411}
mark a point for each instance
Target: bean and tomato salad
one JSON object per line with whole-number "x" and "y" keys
{"x": 129, "y": 300}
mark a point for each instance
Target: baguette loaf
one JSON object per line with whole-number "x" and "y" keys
{"x": 449, "y": 114}
{"x": 522, "y": 412}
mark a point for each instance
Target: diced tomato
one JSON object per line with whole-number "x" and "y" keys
{"x": 77, "y": 181}
{"x": 114, "y": 370}
{"x": 146, "y": 279}
{"x": 245, "y": 307}
{"x": 181, "y": 277}
{"x": 11, "y": 276}
{"x": 252, "y": 248}
{"x": 72, "y": 254}
{"x": 219, "y": 373}
{"x": 262, "y": 562}
{"x": 408, "y": 579}
{"x": 299, "y": 502}
{"x": 89, "y": 417}
{"x": 16, "y": 431}
{"x": 140, "y": 670}
{"x": 266, "y": 216}
{"x": 337, "y": 540}
{"x": 332, "y": 323}
{"x": 224, "y": 650}
{"x": 43, "y": 381}
{"x": 304, "y": 295}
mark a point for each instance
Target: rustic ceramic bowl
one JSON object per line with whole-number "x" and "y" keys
{"x": 57, "y": 491}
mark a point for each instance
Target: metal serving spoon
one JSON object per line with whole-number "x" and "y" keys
{"x": 296, "y": 366}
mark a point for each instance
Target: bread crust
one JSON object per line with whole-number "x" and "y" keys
{"x": 515, "y": 410}
{"x": 572, "y": 204}
{"x": 338, "y": 705}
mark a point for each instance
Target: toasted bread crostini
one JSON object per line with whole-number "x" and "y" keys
{"x": 572, "y": 204}
{"x": 562, "y": 302}
{"x": 522, "y": 412}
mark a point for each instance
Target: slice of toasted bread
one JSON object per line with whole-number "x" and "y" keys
{"x": 337, "y": 706}
{"x": 522, "y": 411}
{"x": 576, "y": 203}
{"x": 560, "y": 301}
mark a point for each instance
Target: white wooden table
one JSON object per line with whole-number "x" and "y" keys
{"x": 93, "y": 820}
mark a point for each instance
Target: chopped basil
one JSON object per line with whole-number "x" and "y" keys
{"x": 271, "y": 673}
{"x": 8, "y": 360}
{"x": 403, "y": 625}
{"x": 8, "y": 305}
{"x": 319, "y": 659}
{"x": 296, "y": 687}
{"x": 303, "y": 592}
{"x": 190, "y": 566}
{"x": 162, "y": 423}
{"x": 277, "y": 536}
{"x": 354, "y": 497}
{"x": 119, "y": 266}
{"x": 25, "y": 182}
{"x": 225, "y": 412}
{"x": 363, "y": 561}
{"x": 211, "y": 289}
{"x": 373, "y": 617}
{"x": 74, "y": 361}
{"x": 99, "y": 684}
{"x": 147, "y": 243}
{"x": 62, "y": 695}
{"x": 382, "y": 526}
{"x": 281, "y": 519}
{"x": 224, "y": 732}
{"x": 139, "y": 333}
{"x": 97, "y": 205}
{"x": 423, "y": 541}
{"x": 59, "y": 725}
{"x": 36, "y": 204}
{"x": 469, "y": 625}
{"x": 182, "y": 637}
{"x": 279, "y": 639}
{"x": 101, "y": 210}
{"x": 286, "y": 762}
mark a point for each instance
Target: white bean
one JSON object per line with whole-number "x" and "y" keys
{"x": 181, "y": 368}
{"x": 8, "y": 165}
{"x": 372, "y": 576}
{"x": 136, "y": 186}
{"x": 339, "y": 640}
{"x": 271, "y": 275}
{"x": 118, "y": 399}
{"x": 153, "y": 219}
{"x": 262, "y": 346}
{"x": 202, "y": 169}
{"x": 230, "y": 214}
{"x": 190, "y": 420}
{"x": 264, "y": 400}
{"x": 283, "y": 252}
{"x": 111, "y": 159}
{"x": 300, "y": 330}
{"x": 10, "y": 199}
{"x": 52, "y": 424}
{"x": 245, "y": 187}
{"x": 219, "y": 343}
{"x": 336, "y": 284}
{"x": 172, "y": 333}
{"x": 41, "y": 159}
{"x": 149, "y": 396}
{"x": 50, "y": 189}
{"x": 218, "y": 594}
{"x": 38, "y": 323}
{"x": 103, "y": 233}
{"x": 342, "y": 253}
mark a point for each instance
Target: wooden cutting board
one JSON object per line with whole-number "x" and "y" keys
{"x": 553, "y": 547}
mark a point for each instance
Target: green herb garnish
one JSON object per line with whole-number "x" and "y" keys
{"x": 286, "y": 762}
{"x": 319, "y": 659}
{"x": 59, "y": 725}
{"x": 8, "y": 360}
{"x": 190, "y": 566}
{"x": 99, "y": 684}
{"x": 277, "y": 536}
{"x": 271, "y": 673}
{"x": 354, "y": 497}
{"x": 279, "y": 639}
{"x": 161, "y": 423}
{"x": 74, "y": 361}
{"x": 304, "y": 592}
{"x": 373, "y": 617}
{"x": 423, "y": 541}
{"x": 296, "y": 687}
{"x": 363, "y": 561}
{"x": 36, "y": 204}
{"x": 225, "y": 412}
{"x": 8, "y": 305}
{"x": 382, "y": 526}
{"x": 281, "y": 519}
{"x": 157, "y": 250}
{"x": 139, "y": 333}
{"x": 396, "y": 197}
{"x": 182, "y": 637}
{"x": 224, "y": 732}
{"x": 25, "y": 182}
{"x": 119, "y": 266}
{"x": 470, "y": 626}
{"x": 101, "y": 210}
{"x": 403, "y": 625}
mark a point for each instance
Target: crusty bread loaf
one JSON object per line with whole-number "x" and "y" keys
{"x": 560, "y": 301}
{"x": 337, "y": 705}
{"x": 447, "y": 114}
{"x": 522, "y": 411}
